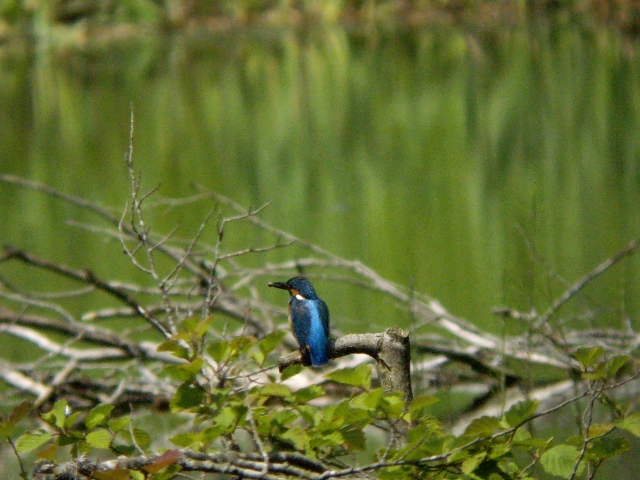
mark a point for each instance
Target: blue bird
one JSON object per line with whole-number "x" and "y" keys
{"x": 309, "y": 319}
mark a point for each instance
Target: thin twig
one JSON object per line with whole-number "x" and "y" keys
{"x": 88, "y": 277}
{"x": 23, "y": 473}
{"x": 584, "y": 281}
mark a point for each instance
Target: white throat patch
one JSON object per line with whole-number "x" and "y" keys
{"x": 300, "y": 297}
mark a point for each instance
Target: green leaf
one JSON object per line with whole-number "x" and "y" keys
{"x": 195, "y": 326}
{"x": 224, "y": 351}
{"x": 184, "y": 372}
{"x": 305, "y": 395}
{"x": 588, "y": 356}
{"x": 57, "y": 415}
{"x": 70, "y": 421}
{"x": 141, "y": 437}
{"x": 523, "y": 439}
{"x": 219, "y": 350}
{"x": 614, "y": 364}
{"x": 174, "y": 347}
{"x": 354, "y": 438}
{"x": 631, "y": 423}
{"x": 359, "y": 376}
{"x": 561, "y": 460}
{"x": 459, "y": 455}
{"x": 392, "y": 404}
{"x": 421, "y": 401}
{"x": 335, "y": 416}
{"x": 240, "y": 345}
{"x": 499, "y": 449}
{"x": 282, "y": 418}
{"x": 606, "y": 447}
{"x": 186, "y": 396}
{"x": 271, "y": 341}
{"x": 228, "y": 417}
{"x": 483, "y": 427}
{"x": 297, "y": 436}
{"x": 520, "y": 412}
{"x": 290, "y": 371}
{"x": 118, "y": 424}
{"x": 122, "y": 443}
{"x": 599, "y": 374}
{"x": 470, "y": 464}
{"x": 30, "y": 441}
{"x": 607, "y": 369}
{"x": 423, "y": 441}
{"x": 275, "y": 390}
{"x": 209, "y": 434}
{"x": 394, "y": 473}
{"x": 193, "y": 367}
{"x": 73, "y": 438}
{"x": 136, "y": 475}
{"x": 99, "y": 438}
{"x": 329, "y": 439}
{"x": 97, "y": 415}
{"x": 368, "y": 400}
{"x": 185, "y": 440}
{"x": 202, "y": 327}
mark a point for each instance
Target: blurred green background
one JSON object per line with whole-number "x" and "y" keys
{"x": 482, "y": 168}
{"x": 482, "y": 163}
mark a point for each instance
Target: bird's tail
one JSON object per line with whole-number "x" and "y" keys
{"x": 319, "y": 353}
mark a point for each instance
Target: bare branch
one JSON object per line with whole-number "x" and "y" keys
{"x": 583, "y": 282}
{"x": 390, "y": 350}
{"x": 21, "y": 382}
{"x": 240, "y": 465}
{"x": 85, "y": 276}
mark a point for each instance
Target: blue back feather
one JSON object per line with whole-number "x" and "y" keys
{"x": 310, "y": 324}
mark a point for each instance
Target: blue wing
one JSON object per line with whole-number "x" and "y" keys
{"x": 310, "y": 325}
{"x": 323, "y": 312}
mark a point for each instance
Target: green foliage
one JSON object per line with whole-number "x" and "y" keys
{"x": 520, "y": 412}
{"x": 483, "y": 427}
{"x": 97, "y": 415}
{"x": 98, "y": 431}
{"x": 267, "y": 345}
{"x": 175, "y": 348}
{"x": 228, "y": 406}
{"x": 187, "y": 396}
{"x": 57, "y": 416}
{"x": 588, "y": 356}
{"x": 631, "y": 423}
{"x": 291, "y": 371}
{"x": 359, "y": 376}
{"x": 32, "y": 440}
{"x": 560, "y": 460}
{"x": 99, "y": 438}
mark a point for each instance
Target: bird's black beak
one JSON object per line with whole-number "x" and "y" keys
{"x": 281, "y": 285}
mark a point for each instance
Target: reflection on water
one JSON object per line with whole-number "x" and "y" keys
{"x": 483, "y": 169}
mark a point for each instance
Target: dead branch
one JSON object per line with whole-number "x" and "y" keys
{"x": 232, "y": 463}
{"x": 390, "y": 350}
{"x": 574, "y": 289}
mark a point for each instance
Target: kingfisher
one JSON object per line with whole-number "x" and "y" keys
{"x": 309, "y": 320}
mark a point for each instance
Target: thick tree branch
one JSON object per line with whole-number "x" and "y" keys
{"x": 233, "y": 463}
{"x": 390, "y": 350}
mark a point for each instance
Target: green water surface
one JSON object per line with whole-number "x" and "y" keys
{"x": 481, "y": 168}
